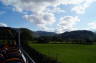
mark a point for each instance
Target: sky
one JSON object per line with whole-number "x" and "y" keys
{"x": 49, "y": 15}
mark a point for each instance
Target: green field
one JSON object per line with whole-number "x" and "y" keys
{"x": 68, "y": 53}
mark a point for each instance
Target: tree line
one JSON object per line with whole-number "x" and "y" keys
{"x": 74, "y": 37}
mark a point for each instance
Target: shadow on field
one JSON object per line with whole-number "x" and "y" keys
{"x": 38, "y": 57}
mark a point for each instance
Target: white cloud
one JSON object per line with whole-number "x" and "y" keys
{"x": 41, "y": 20}
{"x": 29, "y": 5}
{"x": 67, "y": 24}
{"x": 43, "y": 17}
{"x": 92, "y": 26}
{"x": 81, "y": 8}
{"x": 55, "y": 10}
{"x": 38, "y": 17}
{"x": 3, "y": 25}
{"x": 66, "y": 2}
{"x": 39, "y": 6}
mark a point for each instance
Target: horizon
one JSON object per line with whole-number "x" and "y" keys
{"x": 49, "y": 15}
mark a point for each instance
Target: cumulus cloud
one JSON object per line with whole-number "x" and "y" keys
{"x": 41, "y": 20}
{"x": 3, "y": 25}
{"x": 80, "y": 8}
{"x": 67, "y": 23}
{"x": 55, "y": 10}
{"x": 43, "y": 16}
{"x": 39, "y": 15}
{"x": 92, "y": 26}
{"x": 41, "y": 5}
{"x": 66, "y": 2}
{"x": 29, "y": 5}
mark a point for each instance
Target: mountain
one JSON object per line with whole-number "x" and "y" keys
{"x": 44, "y": 33}
{"x": 78, "y": 36}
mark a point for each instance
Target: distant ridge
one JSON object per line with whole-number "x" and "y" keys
{"x": 44, "y": 33}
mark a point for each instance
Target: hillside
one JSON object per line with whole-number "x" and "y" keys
{"x": 44, "y": 33}
{"x": 79, "y": 36}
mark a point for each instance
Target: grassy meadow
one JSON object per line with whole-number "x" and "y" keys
{"x": 68, "y": 53}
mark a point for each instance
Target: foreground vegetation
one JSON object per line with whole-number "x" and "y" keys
{"x": 77, "y": 46}
{"x": 68, "y": 53}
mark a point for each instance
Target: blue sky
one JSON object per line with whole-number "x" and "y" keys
{"x": 13, "y": 19}
{"x": 49, "y": 15}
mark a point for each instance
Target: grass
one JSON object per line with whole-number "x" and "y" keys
{"x": 68, "y": 53}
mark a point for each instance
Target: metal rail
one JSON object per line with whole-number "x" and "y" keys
{"x": 25, "y": 56}
{"x": 28, "y": 58}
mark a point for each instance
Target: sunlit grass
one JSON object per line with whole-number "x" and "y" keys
{"x": 68, "y": 53}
